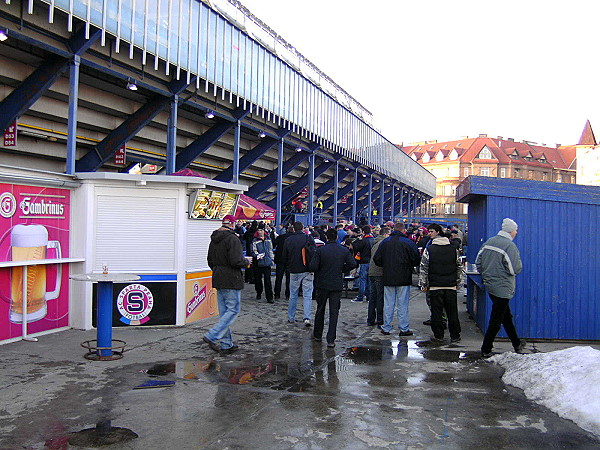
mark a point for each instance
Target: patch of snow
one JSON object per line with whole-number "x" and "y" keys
{"x": 565, "y": 381}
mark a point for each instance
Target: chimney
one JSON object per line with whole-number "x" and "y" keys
{"x": 483, "y": 135}
{"x": 500, "y": 137}
{"x": 510, "y": 139}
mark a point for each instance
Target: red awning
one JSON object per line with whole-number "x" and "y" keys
{"x": 250, "y": 209}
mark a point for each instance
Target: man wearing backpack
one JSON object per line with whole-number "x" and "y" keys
{"x": 298, "y": 250}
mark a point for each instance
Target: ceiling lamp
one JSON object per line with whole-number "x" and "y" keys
{"x": 262, "y": 134}
{"x": 131, "y": 85}
{"x": 209, "y": 114}
{"x": 3, "y": 34}
{"x": 298, "y": 149}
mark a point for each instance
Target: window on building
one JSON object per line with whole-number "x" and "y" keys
{"x": 544, "y": 176}
{"x": 484, "y": 171}
{"x": 558, "y": 178}
{"x": 514, "y": 155}
{"x": 439, "y": 156}
{"x": 485, "y": 153}
{"x": 502, "y": 172}
{"x": 433, "y": 208}
{"x": 466, "y": 208}
{"x": 447, "y": 190}
{"x": 573, "y": 179}
{"x": 517, "y": 173}
{"x": 528, "y": 157}
{"x": 426, "y": 157}
{"x": 453, "y": 208}
{"x": 530, "y": 175}
{"x": 542, "y": 159}
{"x": 466, "y": 171}
{"x": 446, "y": 208}
{"x": 454, "y": 190}
{"x": 453, "y": 155}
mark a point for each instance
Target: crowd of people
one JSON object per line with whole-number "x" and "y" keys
{"x": 316, "y": 262}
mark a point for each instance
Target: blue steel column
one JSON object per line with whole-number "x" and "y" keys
{"x": 410, "y": 204}
{"x": 172, "y": 136}
{"x": 236, "y": 153}
{"x": 370, "y": 200}
{"x": 72, "y": 120}
{"x": 279, "y": 183}
{"x": 311, "y": 189}
{"x": 336, "y": 182}
{"x": 393, "y": 202}
{"x": 354, "y": 196}
{"x": 381, "y": 201}
{"x": 402, "y": 201}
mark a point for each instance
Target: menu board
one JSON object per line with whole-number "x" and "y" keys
{"x": 207, "y": 204}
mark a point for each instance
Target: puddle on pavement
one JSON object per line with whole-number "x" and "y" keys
{"x": 103, "y": 434}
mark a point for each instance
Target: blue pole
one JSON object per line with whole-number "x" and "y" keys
{"x": 236, "y": 151}
{"x": 354, "y": 197}
{"x": 172, "y": 136}
{"x": 393, "y": 202}
{"x": 370, "y": 200}
{"x": 72, "y": 119}
{"x": 401, "y": 201}
{"x": 104, "y": 317}
{"x": 381, "y": 201}
{"x": 336, "y": 182}
{"x": 279, "y": 183}
{"x": 311, "y": 188}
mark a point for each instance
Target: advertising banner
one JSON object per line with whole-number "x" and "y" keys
{"x": 34, "y": 224}
{"x": 207, "y": 204}
{"x": 140, "y": 303}
{"x": 200, "y": 297}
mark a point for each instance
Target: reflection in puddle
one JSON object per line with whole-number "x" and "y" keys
{"x": 418, "y": 378}
{"x": 103, "y": 434}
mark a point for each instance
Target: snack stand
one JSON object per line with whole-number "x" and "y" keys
{"x": 156, "y": 227}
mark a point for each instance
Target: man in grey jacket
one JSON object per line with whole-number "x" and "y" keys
{"x": 499, "y": 262}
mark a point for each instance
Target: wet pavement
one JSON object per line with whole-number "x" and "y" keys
{"x": 280, "y": 390}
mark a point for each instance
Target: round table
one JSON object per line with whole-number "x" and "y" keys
{"x": 105, "y": 282}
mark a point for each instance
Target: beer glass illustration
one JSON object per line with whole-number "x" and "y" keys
{"x": 30, "y": 243}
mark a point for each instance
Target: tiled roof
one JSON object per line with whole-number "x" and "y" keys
{"x": 587, "y": 136}
{"x": 469, "y": 148}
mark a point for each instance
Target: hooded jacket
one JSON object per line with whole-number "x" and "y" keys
{"x": 225, "y": 258}
{"x": 262, "y": 246}
{"x": 441, "y": 267}
{"x": 397, "y": 255}
{"x": 499, "y": 262}
{"x": 362, "y": 249}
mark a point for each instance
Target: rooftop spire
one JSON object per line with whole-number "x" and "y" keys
{"x": 587, "y": 137}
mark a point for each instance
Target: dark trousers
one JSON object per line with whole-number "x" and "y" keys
{"x": 279, "y": 272}
{"x": 500, "y": 316}
{"x": 444, "y": 300}
{"x": 334, "y": 298}
{"x": 261, "y": 273}
{"x": 375, "y": 308}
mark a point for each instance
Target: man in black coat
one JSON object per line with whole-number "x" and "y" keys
{"x": 398, "y": 255}
{"x": 280, "y": 268}
{"x": 362, "y": 253}
{"x": 329, "y": 263}
{"x": 299, "y": 272}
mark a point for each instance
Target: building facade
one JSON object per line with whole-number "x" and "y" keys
{"x": 453, "y": 161}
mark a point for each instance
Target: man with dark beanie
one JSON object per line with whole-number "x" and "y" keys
{"x": 440, "y": 273}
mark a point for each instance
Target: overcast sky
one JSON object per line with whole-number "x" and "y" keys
{"x": 443, "y": 69}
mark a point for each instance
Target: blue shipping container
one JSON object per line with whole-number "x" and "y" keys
{"x": 558, "y": 291}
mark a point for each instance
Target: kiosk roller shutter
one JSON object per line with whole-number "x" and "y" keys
{"x": 198, "y": 238}
{"x": 135, "y": 233}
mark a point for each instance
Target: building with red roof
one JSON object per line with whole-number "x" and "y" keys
{"x": 453, "y": 161}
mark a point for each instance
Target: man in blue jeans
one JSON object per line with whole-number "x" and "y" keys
{"x": 398, "y": 255}
{"x": 297, "y": 265}
{"x": 226, "y": 260}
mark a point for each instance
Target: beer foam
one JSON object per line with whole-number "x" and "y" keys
{"x": 29, "y": 236}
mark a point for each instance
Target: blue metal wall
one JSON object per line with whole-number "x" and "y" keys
{"x": 557, "y": 295}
